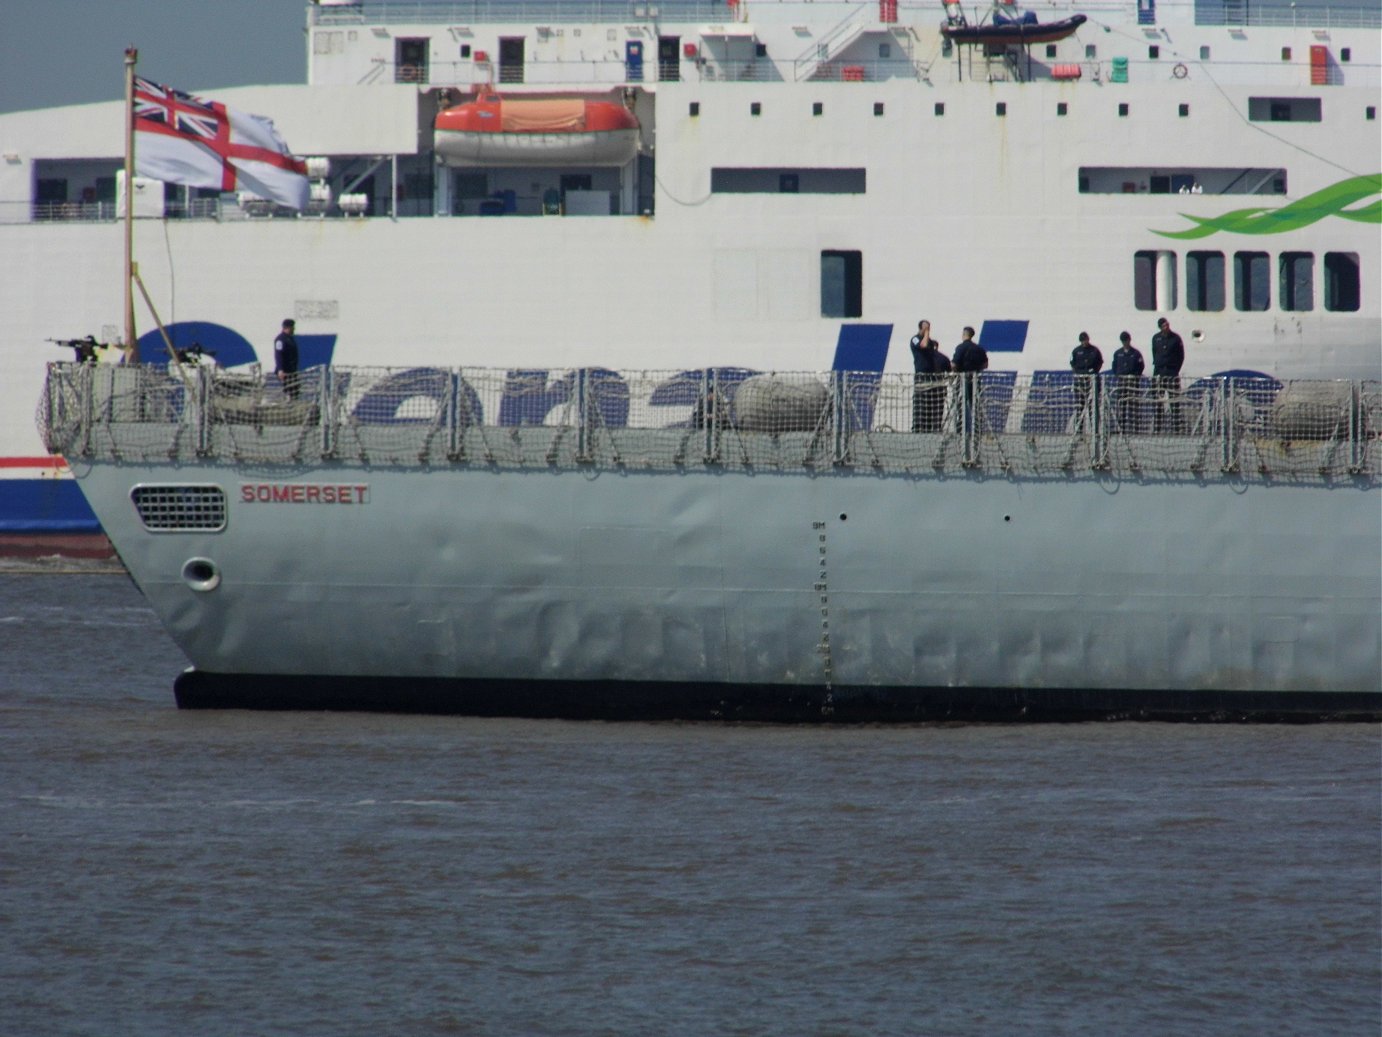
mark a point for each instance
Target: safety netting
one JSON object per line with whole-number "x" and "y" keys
{"x": 1047, "y": 423}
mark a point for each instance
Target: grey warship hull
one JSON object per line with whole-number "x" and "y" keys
{"x": 842, "y": 572}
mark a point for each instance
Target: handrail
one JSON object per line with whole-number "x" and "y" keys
{"x": 1044, "y": 424}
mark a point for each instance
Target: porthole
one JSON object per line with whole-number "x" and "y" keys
{"x": 201, "y": 574}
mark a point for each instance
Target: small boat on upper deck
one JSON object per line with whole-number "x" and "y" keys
{"x": 1007, "y": 25}
{"x": 505, "y": 131}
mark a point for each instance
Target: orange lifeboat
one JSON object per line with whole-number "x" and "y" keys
{"x": 497, "y": 131}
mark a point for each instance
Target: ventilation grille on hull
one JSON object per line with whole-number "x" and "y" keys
{"x": 165, "y": 509}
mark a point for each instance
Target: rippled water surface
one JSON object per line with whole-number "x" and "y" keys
{"x": 236, "y": 873}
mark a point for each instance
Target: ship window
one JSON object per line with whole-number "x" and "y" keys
{"x": 465, "y": 50}
{"x": 808, "y": 180}
{"x": 694, "y": 109}
{"x": 1296, "y": 285}
{"x": 1204, "y": 281}
{"x": 1154, "y": 280}
{"x": 1001, "y": 108}
{"x": 1284, "y": 109}
{"x": 1062, "y": 108}
{"x": 1252, "y": 290}
{"x": 1341, "y": 282}
{"x": 1372, "y": 111}
{"x": 1184, "y": 111}
{"x": 1285, "y": 53}
{"x": 760, "y": 50}
{"x": 842, "y": 283}
{"x": 817, "y": 108}
{"x": 1050, "y": 50}
{"x": 1154, "y": 52}
{"x": 885, "y": 50}
{"x": 1091, "y": 51}
{"x": 1204, "y": 53}
{"x": 877, "y": 107}
{"x": 756, "y": 108}
{"x": 174, "y": 509}
{"x": 1346, "y": 54}
{"x": 1122, "y": 110}
{"x": 940, "y": 107}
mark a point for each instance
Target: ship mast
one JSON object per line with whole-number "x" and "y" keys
{"x": 131, "y": 343}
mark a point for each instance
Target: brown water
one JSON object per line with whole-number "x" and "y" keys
{"x": 236, "y": 873}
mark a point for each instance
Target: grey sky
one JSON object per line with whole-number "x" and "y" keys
{"x": 56, "y": 52}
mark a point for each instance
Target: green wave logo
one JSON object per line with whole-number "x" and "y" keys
{"x": 1332, "y": 201}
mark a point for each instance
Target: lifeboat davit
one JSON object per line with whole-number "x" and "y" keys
{"x": 500, "y": 131}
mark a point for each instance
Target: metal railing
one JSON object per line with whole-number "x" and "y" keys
{"x": 477, "y": 12}
{"x": 1045, "y": 424}
{"x": 562, "y": 12}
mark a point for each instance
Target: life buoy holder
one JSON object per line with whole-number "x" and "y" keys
{"x": 1180, "y": 71}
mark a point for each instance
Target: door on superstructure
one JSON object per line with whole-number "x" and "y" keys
{"x": 511, "y": 59}
{"x": 668, "y": 60}
{"x": 410, "y": 60}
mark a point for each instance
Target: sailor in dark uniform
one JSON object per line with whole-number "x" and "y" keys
{"x": 1168, "y": 354}
{"x": 1128, "y": 366}
{"x": 969, "y": 359}
{"x": 286, "y": 359}
{"x": 928, "y": 392}
{"x": 1086, "y": 362}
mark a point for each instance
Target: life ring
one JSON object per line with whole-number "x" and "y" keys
{"x": 1180, "y": 71}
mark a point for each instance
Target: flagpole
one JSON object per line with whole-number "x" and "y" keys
{"x": 131, "y": 344}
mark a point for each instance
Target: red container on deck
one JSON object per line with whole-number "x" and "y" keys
{"x": 887, "y": 11}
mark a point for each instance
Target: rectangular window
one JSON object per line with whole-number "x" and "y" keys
{"x": 1184, "y": 111}
{"x": 1144, "y": 279}
{"x": 1204, "y": 281}
{"x": 877, "y": 107}
{"x": 1296, "y": 286}
{"x": 940, "y": 108}
{"x": 1062, "y": 108}
{"x": 694, "y": 109}
{"x": 1284, "y": 109}
{"x": 842, "y": 283}
{"x": 817, "y": 108}
{"x": 1123, "y": 111}
{"x": 729, "y": 180}
{"x": 1252, "y": 290}
{"x": 1001, "y": 108}
{"x": 1182, "y": 179}
{"x": 1342, "y": 284}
